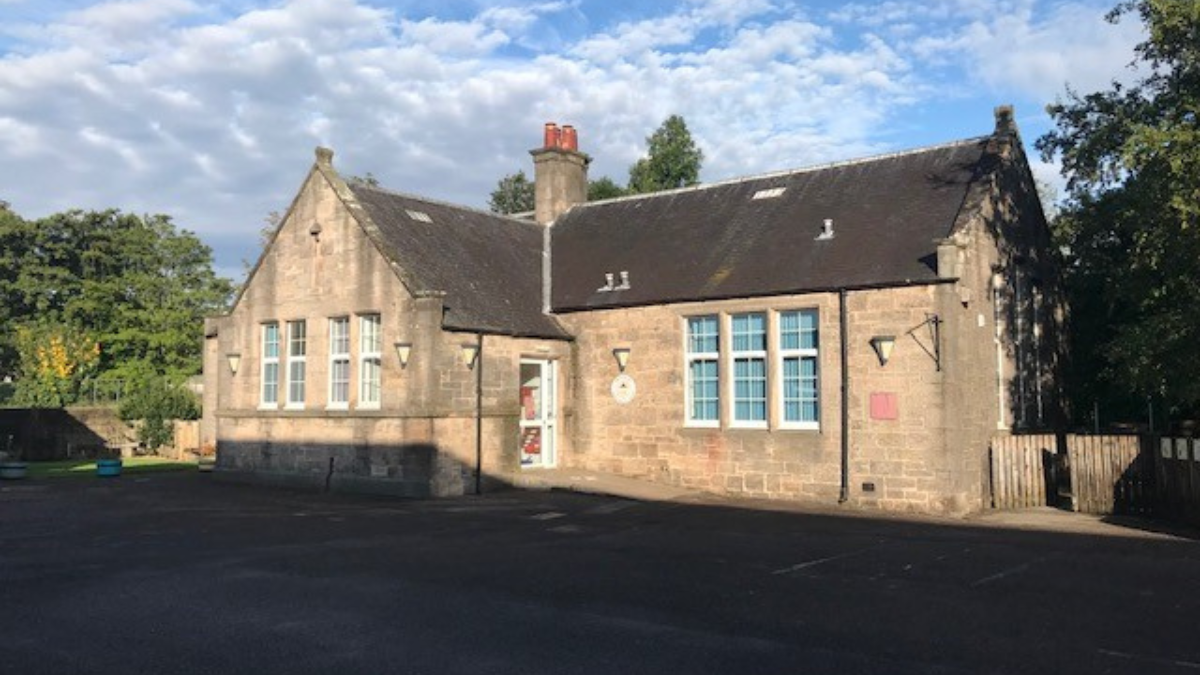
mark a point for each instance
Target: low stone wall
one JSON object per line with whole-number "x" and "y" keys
{"x": 400, "y": 470}
{"x": 58, "y": 433}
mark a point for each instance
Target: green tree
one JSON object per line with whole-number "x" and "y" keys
{"x": 604, "y": 188}
{"x": 673, "y": 160}
{"x": 1131, "y": 224}
{"x": 55, "y": 359}
{"x": 157, "y": 401}
{"x": 138, "y": 284}
{"x": 513, "y": 194}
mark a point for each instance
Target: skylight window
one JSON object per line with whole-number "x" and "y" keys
{"x": 769, "y": 193}
{"x": 419, "y": 216}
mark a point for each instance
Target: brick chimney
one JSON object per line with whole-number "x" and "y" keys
{"x": 559, "y": 173}
{"x": 1006, "y": 131}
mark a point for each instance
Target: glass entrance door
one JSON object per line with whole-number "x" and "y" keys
{"x": 538, "y": 414}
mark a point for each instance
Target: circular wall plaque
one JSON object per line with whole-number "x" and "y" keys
{"x": 623, "y": 388}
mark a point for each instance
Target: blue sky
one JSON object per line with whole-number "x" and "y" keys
{"x": 209, "y": 111}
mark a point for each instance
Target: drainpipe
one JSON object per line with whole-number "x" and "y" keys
{"x": 479, "y": 415}
{"x": 843, "y": 338}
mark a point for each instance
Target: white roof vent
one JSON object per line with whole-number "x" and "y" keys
{"x": 608, "y": 283}
{"x": 769, "y": 193}
{"x": 624, "y": 282}
{"x": 826, "y": 230}
{"x": 419, "y": 216}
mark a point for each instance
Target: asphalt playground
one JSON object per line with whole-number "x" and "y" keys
{"x": 180, "y": 573}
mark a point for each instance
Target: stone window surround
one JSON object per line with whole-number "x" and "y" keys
{"x": 774, "y": 371}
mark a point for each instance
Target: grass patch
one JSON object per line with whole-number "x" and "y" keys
{"x": 87, "y": 467}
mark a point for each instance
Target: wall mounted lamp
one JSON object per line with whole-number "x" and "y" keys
{"x": 235, "y": 361}
{"x": 883, "y": 345}
{"x": 622, "y": 356}
{"x": 470, "y": 351}
{"x": 403, "y": 350}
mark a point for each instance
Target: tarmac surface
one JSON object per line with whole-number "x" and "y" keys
{"x": 178, "y": 573}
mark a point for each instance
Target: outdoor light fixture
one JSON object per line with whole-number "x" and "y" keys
{"x": 235, "y": 360}
{"x": 622, "y": 355}
{"x": 883, "y": 344}
{"x": 403, "y": 349}
{"x": 470, "y": 350}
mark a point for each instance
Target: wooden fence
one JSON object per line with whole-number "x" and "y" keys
{"x": 1110, "y": 474}
{"x": 187, "y": 438}
{"x": 1103, "y": 474}
{"x": 1019, "y": 470}
{"x": 1177, "y": 471}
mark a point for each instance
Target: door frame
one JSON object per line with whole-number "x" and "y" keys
{"x": 548, "y": 422}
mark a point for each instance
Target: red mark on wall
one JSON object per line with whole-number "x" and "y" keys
{"x": 884, "y": 406}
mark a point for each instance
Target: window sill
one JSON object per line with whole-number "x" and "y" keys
{"x": 338, "y": 406}
{"x": 367, "y": 406}
{"x": 690, "y": 424}
{"x": 293, "y": 406}
{"x": 268, "y": 406}
{"x": 760, "y": 426}
{"x": 796, "y": 426}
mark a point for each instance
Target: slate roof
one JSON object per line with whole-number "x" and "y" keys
{"x": 717, "y": 241}
{"x": 488, "y": 266}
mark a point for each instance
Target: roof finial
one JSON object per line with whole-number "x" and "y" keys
{"x": 324, "y": 156}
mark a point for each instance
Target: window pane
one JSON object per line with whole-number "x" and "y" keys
{"x": 339, "y": 336}
{"x": 705, "y": 390}
{"x": 370, "y": 381}
{"x": 808, "y": 329}
{"x": 798, "y": 330}
{"x": 702, "y": 335}
{"x": 339, "y": 391}
{"x": 297, "y": 338}
{"x": 800, "y": 389}
{"x": 750, "y": 332}
{"x": 371, "y": 342}
{"x": 750, "y": 390}
{"x": 270, "y": 392}
{"x": 271, "y": 341}
{"x": 296, "y": 382}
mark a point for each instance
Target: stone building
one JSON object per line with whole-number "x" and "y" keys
{"x": 849, "y": 333}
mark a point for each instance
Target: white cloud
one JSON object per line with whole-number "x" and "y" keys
{"x": 213, "y": 118}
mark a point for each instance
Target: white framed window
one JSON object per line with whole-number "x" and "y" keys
{"x": 749, "y": 356}
{"x": 370, "y": 359}
{"x": 269, "y": 392}
{"x": 703, "y": 353}
{"x": 297, "y": 353}
{"x": 339, "y": 362}
{"x": 799, "y": 346}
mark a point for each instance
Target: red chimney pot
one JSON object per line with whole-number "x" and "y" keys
{"x": 553, "y": 136}
{"x": 570, "y": 139}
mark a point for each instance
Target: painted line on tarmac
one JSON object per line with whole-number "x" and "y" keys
{"x": 1000, "y": 575}
{"x": 607, "y": 509}
{"x": 813, "y": 563}
{"x": 548, "y": 515}
{"x": 1150, "y": 659}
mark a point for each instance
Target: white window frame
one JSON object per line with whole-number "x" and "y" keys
{"x": 798, "y": 353}
{"x": 301, "y": 360}
{"x": 688, "y": 358}
{"x": 263, "y": 403}
{"x": 336, "y": 357}
{"x": 366, "y": 353}
{"x": 752, "y": 354}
